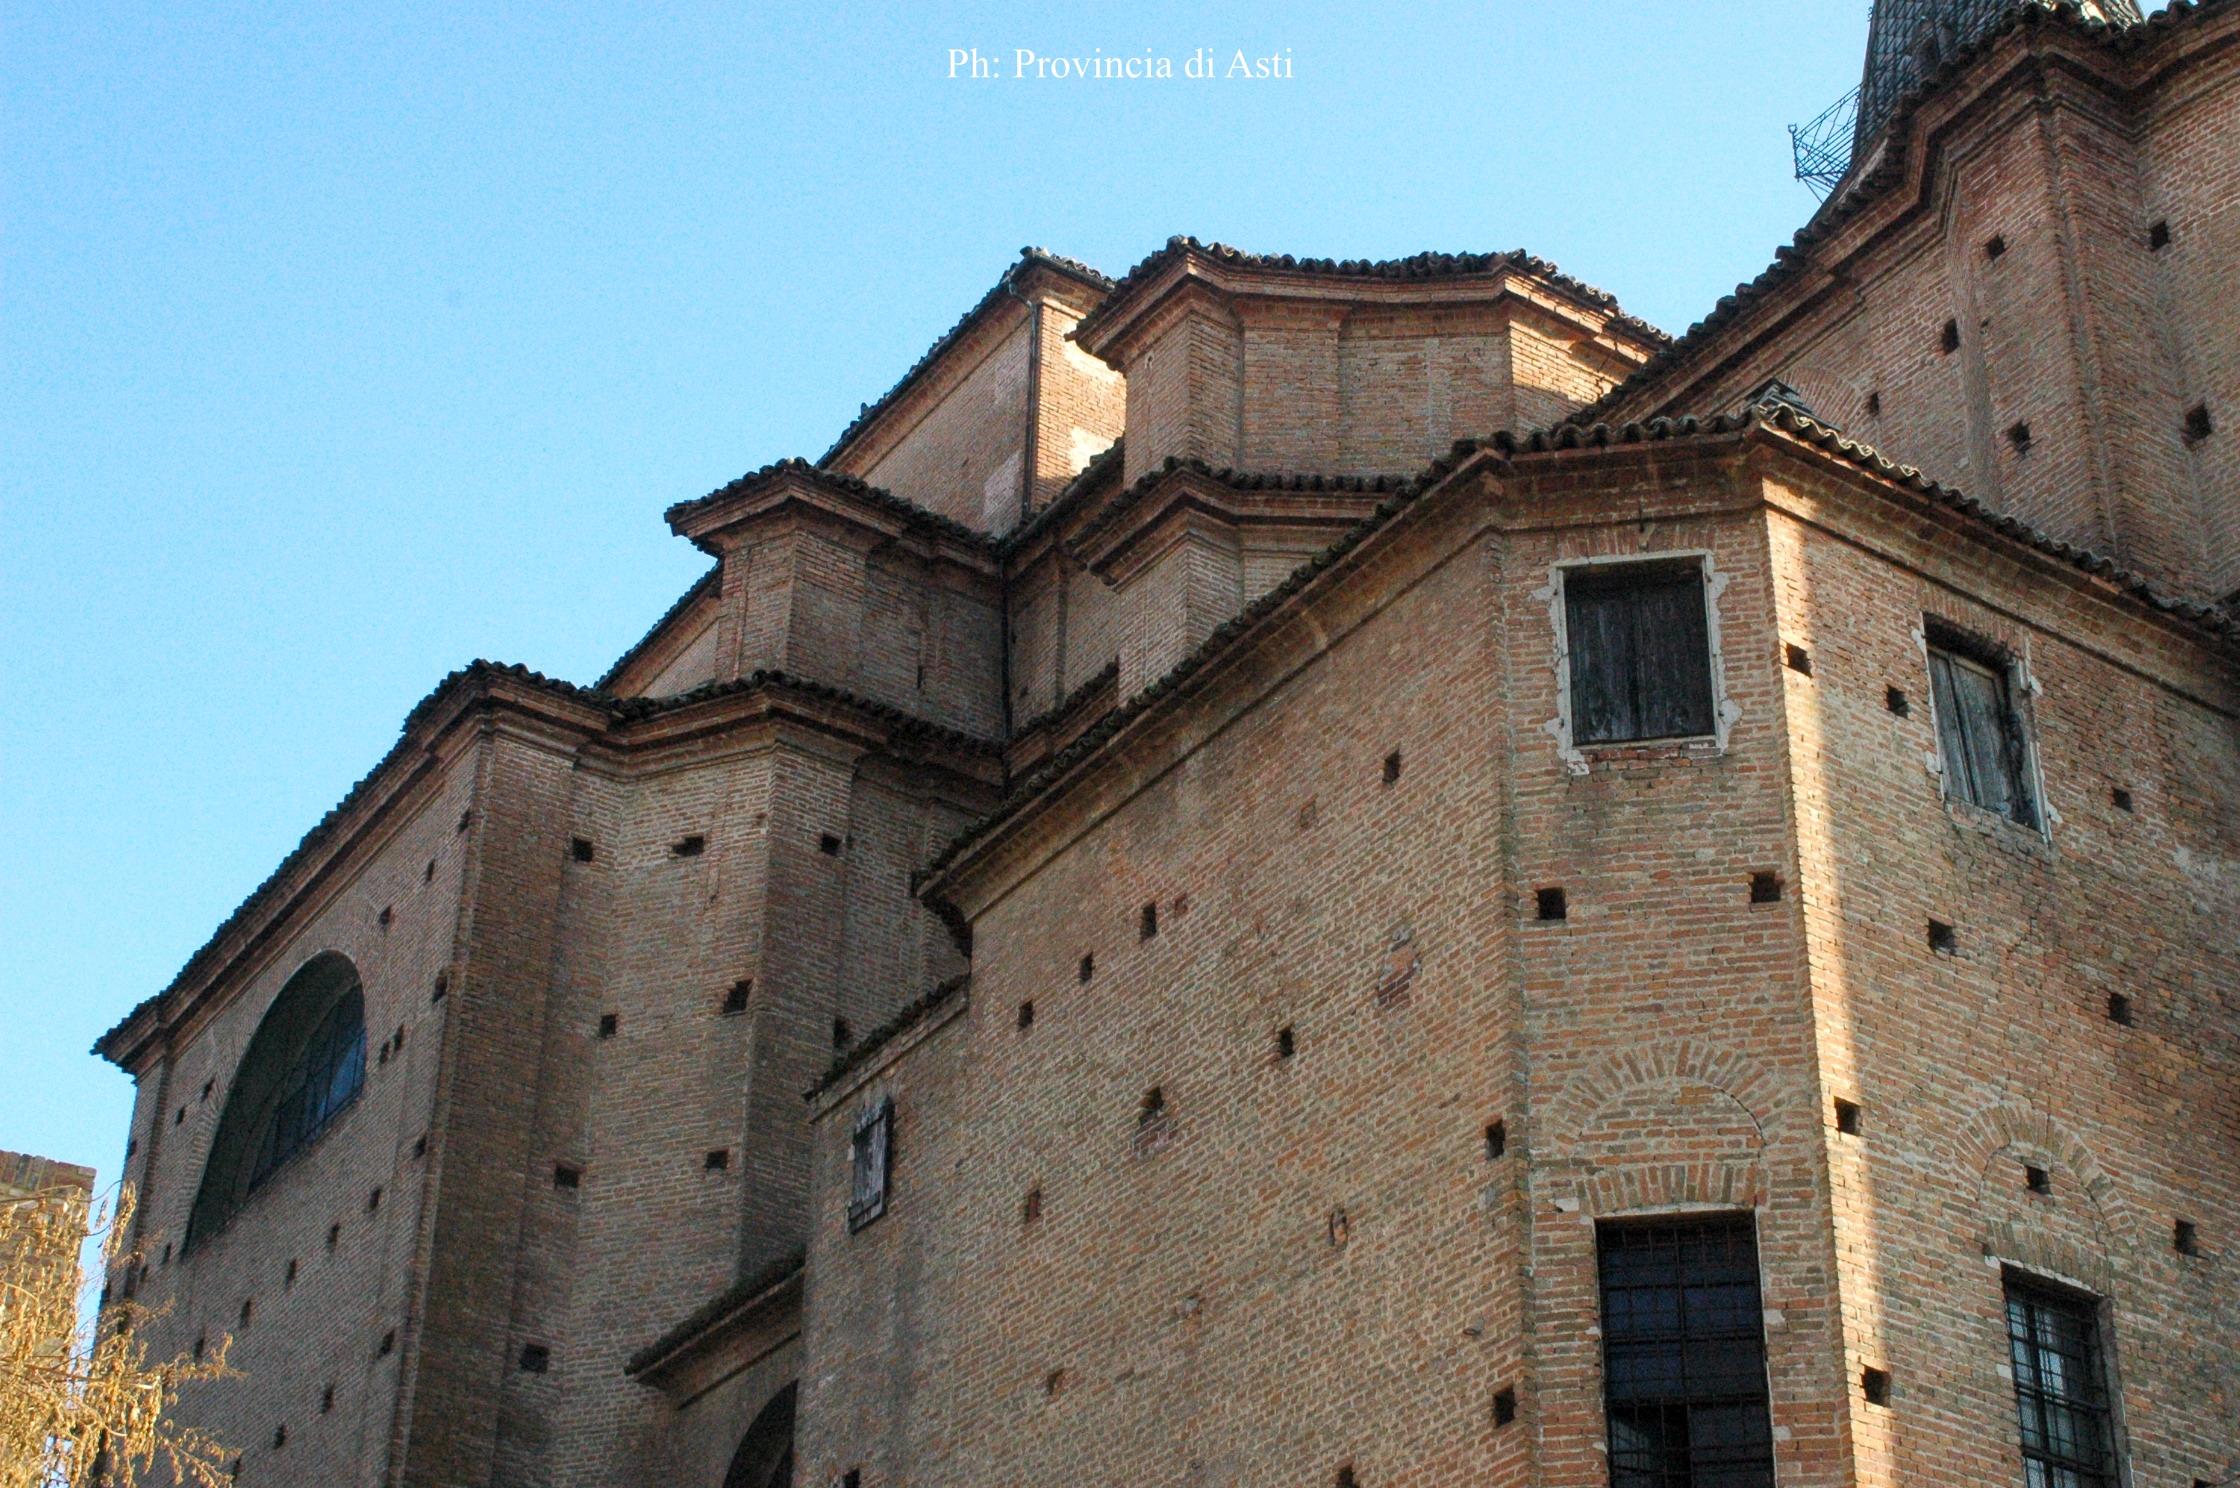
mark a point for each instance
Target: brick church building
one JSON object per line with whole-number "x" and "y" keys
{"x": 1178, "y": 910}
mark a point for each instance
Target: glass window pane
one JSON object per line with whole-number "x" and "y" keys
{"x": 1684, "y": 1355}
{"x": 2059, "y": 1388}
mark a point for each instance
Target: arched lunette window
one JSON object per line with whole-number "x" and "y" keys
{"x": 304, "y": 1067}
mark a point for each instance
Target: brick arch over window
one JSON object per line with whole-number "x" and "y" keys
{"x": 765, "y": 1455}
{"x": 305, "y": 1066}
{"x": 2012, "y": 1131}
{"x": 1681, "y": 1062}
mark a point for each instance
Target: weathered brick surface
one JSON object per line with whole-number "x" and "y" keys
{"x": 1670, "y": 1043}
{"x": 1310, "y": 1261}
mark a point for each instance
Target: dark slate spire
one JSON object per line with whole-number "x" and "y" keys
{"x": 1908, "y": 39}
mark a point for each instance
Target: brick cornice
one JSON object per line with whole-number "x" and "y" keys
{"x": 1186, "y": 265}
{"x": 1169, "y": 502}
{"x": 793, "y": 488}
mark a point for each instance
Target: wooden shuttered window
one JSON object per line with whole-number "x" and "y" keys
{"x": 1979, "y": 734}
{"x": 1640, "y": 652}
{"x": 871, "y": 1152}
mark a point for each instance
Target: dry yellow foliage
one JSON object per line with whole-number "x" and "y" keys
{"x": 80, "y": 1405}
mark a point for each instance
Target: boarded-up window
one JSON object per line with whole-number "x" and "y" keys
{"x": 871, "y": 1150}
{"x": 1640, "y": 652}
{"x": 1979, "y": 734}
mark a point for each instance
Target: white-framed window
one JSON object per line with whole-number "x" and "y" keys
{"x": 870, "y": 1163}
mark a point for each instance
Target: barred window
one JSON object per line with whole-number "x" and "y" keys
{"x": 2060, "y": 1387}
{"x": 1980, "y": 734}
{"x": 1683, "y": 1348}
{"x": 1638, "y": 641}
{"x": 871, "y": 1151}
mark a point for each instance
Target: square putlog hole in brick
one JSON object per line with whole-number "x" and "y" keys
{"x": 1895, "y": 699}
{"x": 1847, "y": 1117}
{"x": 1550, "y": 904}
{"x": 2119, "y": 1009}
{"x": 581, "y": 850}
{"x": 717, "y": 1160}
{"x": 2158, "y": 236}
{"x": 1088, "y": 968}
{"x": 1026, "y": 1016}
{"x": 2185, "y": 1237}
{"x": 1948, "y": 340}
{"x": 1497, "y": 1140}
{"x": 1147, "y": 923}
{"x": 1875, "y": 1385}
{"x": 1943, "y": 939}
{"x": 1504, "y": 1407}
{"x": 688, "y": 847}
{"x": 535, "y": 1358}
{"x": 2198, "y": 425}
{"x": 1797, "y": 659}
{"x": 2121, "y": 799}
{"x": 566, "y": 1175}
{"x": 1287, "y": 1042}
{"x": 829, "y": 845}
{"x": 735, "y": 1000}
{"x": 609, "y": 1025}
{"x": 1392, "y": 768}
{"x": 2036, "y": 1179}
{"x": 1765, "y": 887}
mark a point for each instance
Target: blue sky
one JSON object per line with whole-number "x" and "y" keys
{"x": 343, "y": 344}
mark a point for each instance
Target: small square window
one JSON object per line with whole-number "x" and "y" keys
{"x": 1637, "y": 640}
{"x": 870, "y": 1157}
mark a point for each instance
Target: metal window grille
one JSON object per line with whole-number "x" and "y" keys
{"x": 1639, "y": 646}
{"x": 1980, "y": 736}
{"x": 2060, "y": 1388}
{"x": 871, "y": 1157}
{"x": 1684, "y": 1369}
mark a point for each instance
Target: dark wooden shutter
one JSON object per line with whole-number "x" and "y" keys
{"x": 1979, "y": 737}
{"x": 1640, "y": 652}
{"x": 870, "y": 1151}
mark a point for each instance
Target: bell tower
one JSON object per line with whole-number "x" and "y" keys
{"x": 1908, "y": 39}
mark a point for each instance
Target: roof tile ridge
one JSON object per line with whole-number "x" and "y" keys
{"x": 255, "y": 900}
{"x": 710, "y": 576}
{"x": 1229, "y": 475}
{"x": 1429, "y": 264}
{"x": 1028, "y": 255}
{"x": 856, "y": 1055}
{"x": 852, "y": 485}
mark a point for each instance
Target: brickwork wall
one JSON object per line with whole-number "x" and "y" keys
{"x": 962, "y": 457}
{"x": 2189, "y": 149}
{"x": 1967, "y": 1066}
{"x": 1185, "y": 392}
{"x": 2079, "y": 329}
{"x": 1669, "y": 1043}
{"x": 325, "y": 1327}
{"x": 838, "y": 605}
{"x": 1080, "y": 406}
{"x": 1412, "y": 381}
{"x": 1212, "y": 1312}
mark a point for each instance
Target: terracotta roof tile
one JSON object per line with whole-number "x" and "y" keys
{"x": 1418, "y": 266}
{"x": 1027, "y": 258}
{"x": 909, "y": 511}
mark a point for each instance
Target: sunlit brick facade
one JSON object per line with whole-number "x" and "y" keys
{"x": 1174, "y": 909}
